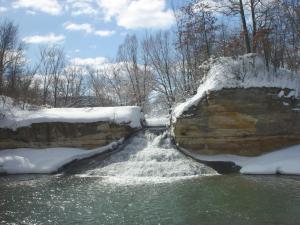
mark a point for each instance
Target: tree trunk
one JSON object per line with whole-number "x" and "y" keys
{"x": 1, "y": 80}
{"x": 246, "y": 33}
{"x": 252, "y": 6}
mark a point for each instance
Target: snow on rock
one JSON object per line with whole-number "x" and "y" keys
{"x": 163, "y": 120}
{"x": 291, "y": 94}
{"x": 45, "y": 161}
{"x": 15, "y": 117}
{"x": 285, "y": 103}
{"x": 281, "y": 94}
{"x": 244, "y": 72}
{"x": 284, "y": 161}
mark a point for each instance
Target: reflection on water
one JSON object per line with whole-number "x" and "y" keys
{"x": 202, "y": 200}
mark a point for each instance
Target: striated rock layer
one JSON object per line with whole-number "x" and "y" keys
{"x": 63, "y": 134}
{"x": 240, "y": 121}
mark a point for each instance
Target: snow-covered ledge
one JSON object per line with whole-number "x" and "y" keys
{"x": 85, "y": 128}
{"x": 16, "y": 118}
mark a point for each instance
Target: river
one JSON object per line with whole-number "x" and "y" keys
{"x": 148, "y": 182}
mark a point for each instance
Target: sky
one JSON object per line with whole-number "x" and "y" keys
{"x": 90, "y": 31}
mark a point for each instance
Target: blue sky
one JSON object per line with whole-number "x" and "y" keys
{"x": 89, "y": 30}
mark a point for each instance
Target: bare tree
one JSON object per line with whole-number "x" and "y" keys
{"x": 101, "y": 85}
{"x": 11, "y": 52}
{"x": 118, "y": 83}
{"x": 71, "y": 85}
{"x": 52, "y": 63}
{"x": 237, "y": 7}
{"x": 196, "y": 42}
{"x": 128, "y": 57}
{"x": 161, "y": 56}
{"x": 133, "y": 61}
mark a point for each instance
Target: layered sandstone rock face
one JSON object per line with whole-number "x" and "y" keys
{"x": 63, "y": 134}
{"x": 240, "y": 121}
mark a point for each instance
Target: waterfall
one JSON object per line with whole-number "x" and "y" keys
{"x": 148, "y": 157}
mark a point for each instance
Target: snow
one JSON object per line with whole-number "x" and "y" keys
{"x": 281, "y": 94}
{"x": 285, "y": 103}
{"x": 157, "y": 121}
{"x": 291, "y": 94}
{"x": 284, "y": 161}
{"x": 16, "y": 117}
{"x": 25, "y": 160}
{"x": 244, "y": 72}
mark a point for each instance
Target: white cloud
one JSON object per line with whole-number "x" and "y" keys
{"x": 104, "y": 33}
{"x": 97, "y": 62}
{"x": 79, "y": 27}
{"x": 130, "y": 14}
{"x": 43, "y": 39}
{"x": 3, "y": 9}
{"x": 78, "y": 69}
{"x": 88, "y": 28}
{"x": 113, "y": 8}
{"x": 84, "y": 11}
{"x": 146, "y": 14}
{"x": 133, "y": 14}
{"x": 82, "y": 7}
{"x": 51, "y": 7}
{"x": 30, "y": 12}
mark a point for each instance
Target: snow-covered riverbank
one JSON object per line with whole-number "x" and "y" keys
{"x": 284, "y": 161}
{"x": 45, "y": 161}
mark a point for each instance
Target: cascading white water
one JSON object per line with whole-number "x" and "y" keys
{"x": 149, "y": 158}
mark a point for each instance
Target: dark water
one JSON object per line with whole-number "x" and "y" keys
{"x": 228, "y": 200}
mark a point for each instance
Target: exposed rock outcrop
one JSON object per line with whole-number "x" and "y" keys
{"x": 63, "y": 134}
{"x": 240, "y": 121}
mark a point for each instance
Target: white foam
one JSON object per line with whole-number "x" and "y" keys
{"x": 149, "y": 159}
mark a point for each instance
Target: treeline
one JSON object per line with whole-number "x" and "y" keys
{"x": 161, "y": 68}
{"x": 50, "y": 81}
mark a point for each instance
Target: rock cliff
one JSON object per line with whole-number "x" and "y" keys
{"x": 240, "y": 121}
{"x": 63, "y": 134}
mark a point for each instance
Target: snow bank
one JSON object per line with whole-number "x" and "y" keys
{"x": 16, "y": 117}
{"x": 22, "y": 161}
{"x": 285, "y": 161}
{"x": 245, "y": 72}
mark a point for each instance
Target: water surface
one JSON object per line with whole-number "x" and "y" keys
{"x": 149, "y": 182}
{"x": 202, "y": 200}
